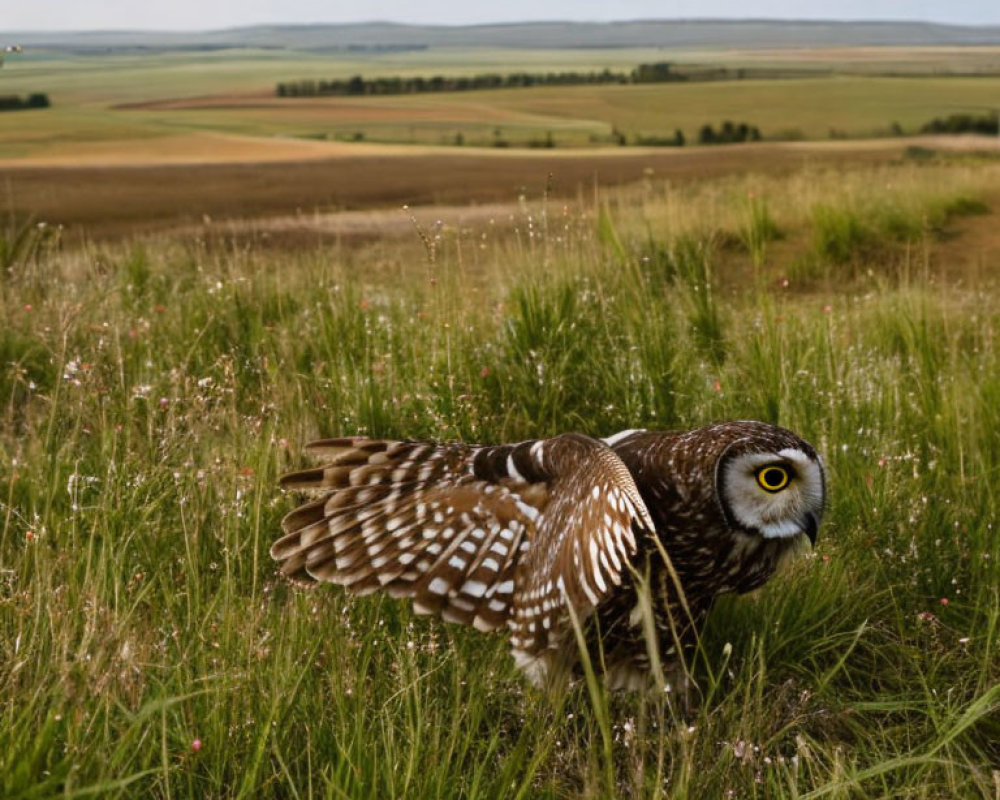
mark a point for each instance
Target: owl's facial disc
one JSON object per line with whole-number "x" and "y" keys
{"x": 776, "y": 495}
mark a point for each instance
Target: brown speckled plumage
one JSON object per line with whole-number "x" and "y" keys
{"x": 530, "y": 536}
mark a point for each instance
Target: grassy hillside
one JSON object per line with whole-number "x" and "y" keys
{"x": 153, "y": 392}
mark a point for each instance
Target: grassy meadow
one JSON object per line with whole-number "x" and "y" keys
{"x": 152, "y": 391}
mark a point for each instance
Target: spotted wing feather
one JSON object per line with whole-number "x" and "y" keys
{"x": 411, "y": 518}
{"x": 514, "y": 534}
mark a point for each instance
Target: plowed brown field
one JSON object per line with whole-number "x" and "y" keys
{"x": 107, "y": 194}
{"x": 104, "y": 192}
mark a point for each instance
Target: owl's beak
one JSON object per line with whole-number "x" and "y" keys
{"x": 810, "y": 526}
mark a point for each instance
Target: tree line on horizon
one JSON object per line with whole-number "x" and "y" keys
{"x": 658, "y": 72}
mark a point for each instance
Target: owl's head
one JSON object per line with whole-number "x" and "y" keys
{"x": 771, "y": 483}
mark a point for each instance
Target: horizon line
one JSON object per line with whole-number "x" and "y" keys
{"x": 504, "y": 23}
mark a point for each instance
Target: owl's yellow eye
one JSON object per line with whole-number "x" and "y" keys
{"x": 773, "y": 477}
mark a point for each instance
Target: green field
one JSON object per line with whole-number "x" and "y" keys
{"x": 153, "y": 391}
{"x": 88, "y": 93}
{"x": 811, "y": 108}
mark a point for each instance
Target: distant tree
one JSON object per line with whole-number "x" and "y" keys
{"x": 729, "y": 132}
{"x": 13, "y": 102}
{"x": 963, "y": 123}
{"x": 658, "y": 72}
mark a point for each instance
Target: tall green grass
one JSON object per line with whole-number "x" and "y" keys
{"x": 151, "y": 395}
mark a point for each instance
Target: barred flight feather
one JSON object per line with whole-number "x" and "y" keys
{"x": 486, "y": 536}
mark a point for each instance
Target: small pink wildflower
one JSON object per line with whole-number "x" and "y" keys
{"x": 944, "y": 601}
{"x": 28, "y": 307}
{"x": 484, "y": 372}
{"x": 196, "y": 745}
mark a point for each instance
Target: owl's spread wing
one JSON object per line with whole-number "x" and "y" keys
{"x": 411, "y": 518}
{"x": 584, "y": 541}
{"x": 480, "y": 535}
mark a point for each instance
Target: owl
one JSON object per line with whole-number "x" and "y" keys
{"x": 610, "y": 549}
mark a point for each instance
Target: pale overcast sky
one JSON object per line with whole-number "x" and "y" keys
{"x": 211, "y": 14}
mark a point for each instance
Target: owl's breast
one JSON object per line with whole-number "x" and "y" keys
{"x": 710, "y": 559}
